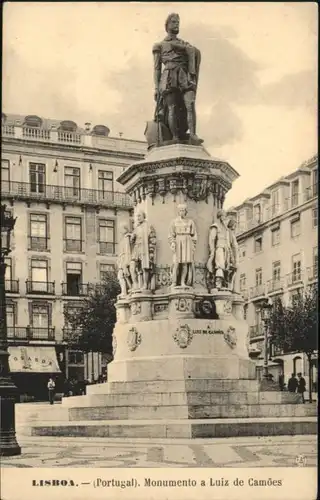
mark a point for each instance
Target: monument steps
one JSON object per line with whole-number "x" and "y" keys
{"x": 181, "y": 398}
{"x": 189, "y": 411}
{"x": 202, "y": 428}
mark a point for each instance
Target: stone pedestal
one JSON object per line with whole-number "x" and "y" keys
{"x": 181, "y": 352}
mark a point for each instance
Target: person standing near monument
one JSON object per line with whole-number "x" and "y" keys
{"x": 301, "y": 386}
{"x": 182, "y": 240}
{"x": 176, "y": 85}
{"x": 51, "y": 388}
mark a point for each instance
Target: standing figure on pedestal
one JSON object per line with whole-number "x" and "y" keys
{"x": 233, "y": 256}
{"x": 143, "y": 240}
{"x": 219, "y": 247}
{"x": 182, "y": 240}
{"x": 124, "y": 260}
{"x": 176, "y": 85}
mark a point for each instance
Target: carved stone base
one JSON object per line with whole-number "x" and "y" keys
{"x": 181, "y": 302}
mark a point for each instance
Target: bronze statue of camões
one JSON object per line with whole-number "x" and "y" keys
{"x": 176, "y": 74}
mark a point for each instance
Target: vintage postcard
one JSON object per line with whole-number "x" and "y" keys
{"x": 159, "y": 251}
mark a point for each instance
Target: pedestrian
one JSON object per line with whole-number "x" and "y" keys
{"x": 301, "y": 386}
{"x": 281, "y": 381}
{"x": 292, "y": 383}
{"x": 51, "y": 387}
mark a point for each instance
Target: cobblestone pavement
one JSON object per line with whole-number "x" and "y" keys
{"x": 223, "y": 452}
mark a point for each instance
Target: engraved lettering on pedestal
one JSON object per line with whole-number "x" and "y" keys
{"x": 230, "y": 337}
{"x": 183, "y": 336}
{"x": 134, "y": 339}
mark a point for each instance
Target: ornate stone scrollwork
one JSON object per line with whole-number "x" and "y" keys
{"x": 135, "y": 308}
{"x": 183, "y": 336}
{"x": 227, "y": 307}
{"x": 133, "y": 339}
{"x": 182, "y": 304}
{"x": 163, "y": 276}
{"x": 230, "y": 336}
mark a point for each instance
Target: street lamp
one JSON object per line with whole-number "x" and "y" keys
{"x": 8, "y": 442}
{"x": 265, "y": 316}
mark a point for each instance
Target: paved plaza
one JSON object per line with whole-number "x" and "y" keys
{"x": 223, "y": 452}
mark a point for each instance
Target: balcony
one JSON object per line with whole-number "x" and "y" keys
{"x": 73, "y": 245}
{"x": 27, "y": 333}
{"x": 36, "y": 133}
{"x": 256, "y": 332}
{"x": 40, "y": 287}
{"x": 37, "y": 243}
{"x": 12, "y": 286}
{"x": 62, "y": 194}
{"x": 275, "y": 285}
{"x": 75, "y": 290}
{"x": 257, "y": 292}
{"x": 295, "y": 278}
{"x": 107, "y": 248}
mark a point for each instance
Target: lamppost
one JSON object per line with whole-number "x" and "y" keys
{"x": 8, "y": 442}
{"x": 265, "y": 316}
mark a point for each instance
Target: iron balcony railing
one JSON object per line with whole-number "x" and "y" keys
{"x": 17, "y": 333}
{"x": 75, "y": 290}
{"x": 72, "y": 245}
{"x": 12, "y": 286}
{"x": 62, "y": 194}
{"x": 256, "y": 331}
{"x": 38, "y": 243}
{"x": 275, "y": 285}
{"x": 257, "y": 291}
{"x": 107, "y": 248}
{"x": 40, "y": 287}
{"x": 312, "y": 273}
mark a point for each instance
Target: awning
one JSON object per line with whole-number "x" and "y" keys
{"x": 31, "y": 359}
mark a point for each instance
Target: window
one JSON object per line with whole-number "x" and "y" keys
{"x": 75, "y": 358}
{"x": 73, "y": 234}
{"x": 11, "y": 310}
{"x": 296, "y": 268}
{"x": 5, "y": 173}
{"x": 276, "y": 271}
{"x": 105, "y": 184}
{"x": 38, "y": 232}
{"x": 258, "y": 244}
{"x": 72, "y": 182}
{"x": 315, "y": 182}
{"x": 257, "y": 213}
{"x": 242, "y": 251}
{"x": 315, "y": 217}
{"x": 275, "y": 202}
{"x": 37, "y": 175}
{"x": 106, "y": 236}
{"x": 315, "y": 261}
{"x": 294, "y": 297}
{"x": 39, "y": 275}
{"x": 295, "y": 228}
{"x": 40, "y": 319}
{"x": 242, "y": 282}
{"x": 8, "y": 271}
{"x": 295, "y": 193}
{"x": 105, "y": 269}
{"x": 259, "y": 276}
{"x": 275, "y": 236}
{"x": 73, "y": 278}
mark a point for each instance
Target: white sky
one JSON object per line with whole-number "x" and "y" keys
{"x": 257, "y": 95}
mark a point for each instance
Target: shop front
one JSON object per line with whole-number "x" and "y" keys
{"x": 31, "y": 367}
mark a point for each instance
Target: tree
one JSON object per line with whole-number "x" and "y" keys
{"x": 295, "y": 327}
{"x": 91, "y": 325}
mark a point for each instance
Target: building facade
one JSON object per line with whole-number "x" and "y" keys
{"x": 59, "y": 180}
{"x": 277, "y": 233}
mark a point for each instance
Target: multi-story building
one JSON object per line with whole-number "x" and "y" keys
{"x": 277, "y": 233}
{"x": 59, "y": 180}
